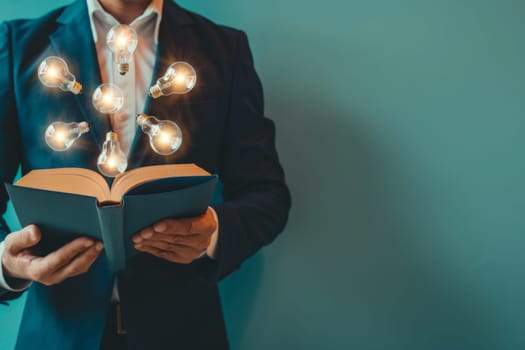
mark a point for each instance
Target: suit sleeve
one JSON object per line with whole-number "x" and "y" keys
{"x": 256, "y": 200}
{"x": 10, "y": 146}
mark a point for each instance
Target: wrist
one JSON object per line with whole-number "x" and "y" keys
{"x": 7, "y": 272}
{"x": 212, "y": 247}
{"x": 10, "y": 280}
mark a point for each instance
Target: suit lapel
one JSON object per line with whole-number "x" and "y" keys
{"x": 73, "y": 41}
{"x": 172, "y": 43}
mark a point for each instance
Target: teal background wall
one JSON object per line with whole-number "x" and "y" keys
{"x": 400, "y": 126}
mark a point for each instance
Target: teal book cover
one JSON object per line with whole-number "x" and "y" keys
{"x": 63, "y": 216}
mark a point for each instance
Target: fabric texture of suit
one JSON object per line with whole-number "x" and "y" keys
{"x": 225, "y": 132}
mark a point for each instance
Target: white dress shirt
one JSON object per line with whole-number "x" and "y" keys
{"x": 136, "y": 82}
{"x": 135, "y": 85}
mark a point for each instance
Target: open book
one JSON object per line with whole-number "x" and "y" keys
{"x": 71, "y": 202}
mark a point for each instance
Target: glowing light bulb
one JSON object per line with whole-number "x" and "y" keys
{"x": 54, "y": 72}
{"x": 122, "y": 40}
{"x": 180, "y": 78}
{"x": 108, "y": 98}
{"x": 60, "y": 136}
{"x": 165, "y": 137}
{"x": 112, "y": 161}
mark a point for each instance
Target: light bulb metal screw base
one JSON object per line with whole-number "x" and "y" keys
{"x": 155, "y": 91}
{"x": 76, "y": 88}
{"x": 83, "y": 127}
{"x": 111, "y": 136}
{"x": 141, "y": 118}
{"x": 123, "y": 68}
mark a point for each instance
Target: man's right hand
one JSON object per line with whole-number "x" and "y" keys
{"x": 72, "y": 259}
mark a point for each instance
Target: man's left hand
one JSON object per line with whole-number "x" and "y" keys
{"x": 178, "y": 240}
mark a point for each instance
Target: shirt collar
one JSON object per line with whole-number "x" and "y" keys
{"x": 154, "y": 8}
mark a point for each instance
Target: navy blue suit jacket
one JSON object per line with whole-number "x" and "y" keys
{"x": 165, "y": 305}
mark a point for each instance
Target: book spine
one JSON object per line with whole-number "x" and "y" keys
{"x": 111, "y": 219}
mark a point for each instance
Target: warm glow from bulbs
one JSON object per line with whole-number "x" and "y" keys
{"x": 121, "y": 40}
{"x": 60, "y": 136}
{"x": 165, "y": 138}
{"x": 52, "y": 72}
{"x": 180, "y": 78}
{"x": 112, "y": 163}
{"x": 108, "y": 98}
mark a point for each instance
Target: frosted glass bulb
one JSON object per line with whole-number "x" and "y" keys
{"x": 54, "y": 72}
{"x": 112, "y": 161}
{"x": 180, "y": 78}
{"x": 60, "y": 136}
{"x": 108, "y": 98}
{"x": 165, "y": 137}
{"x": 122, "y": 40}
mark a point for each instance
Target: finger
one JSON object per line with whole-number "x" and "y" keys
{"x": 166, "y": 255}
{"x": 200, "y": 224}
{"x": 174, "y": 226}
{"x": 199, "y": 241}
{"x": 53, "y": 261}
{"x": 145, "y": 233}
{"x": 205, "y": 223}
{"x": 181, "y": 250}
{"x": 28, "y": 237}
{"x": 79, "y": 264}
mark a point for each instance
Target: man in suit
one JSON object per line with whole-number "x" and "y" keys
{"x": 167, "y": 297}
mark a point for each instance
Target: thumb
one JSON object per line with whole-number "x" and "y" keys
{"x": 28, "y": 237}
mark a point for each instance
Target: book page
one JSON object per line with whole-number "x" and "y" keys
{"x": 79, "y": 181}
{"x": 127, "y": 181}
